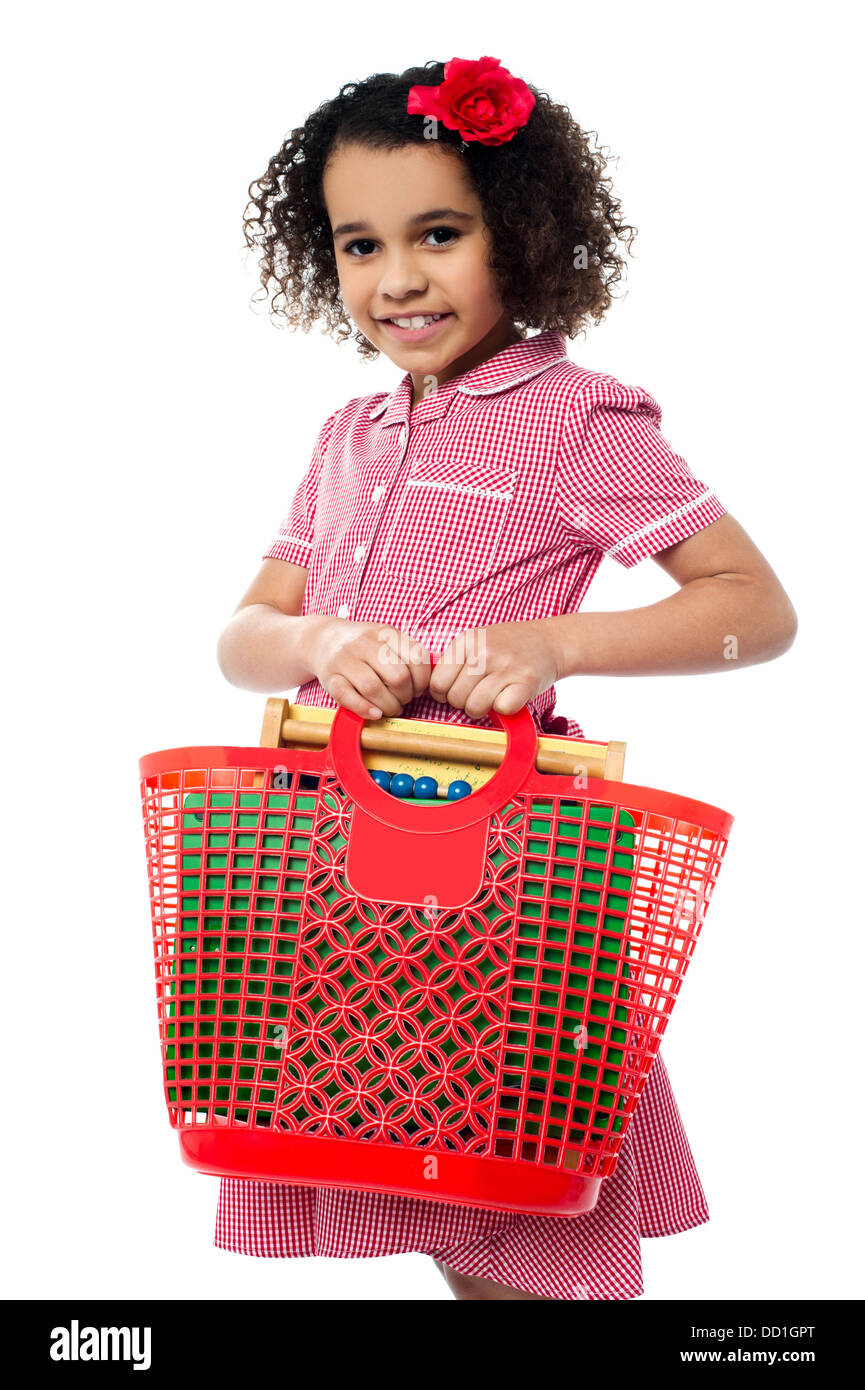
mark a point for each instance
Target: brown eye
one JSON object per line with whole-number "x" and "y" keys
{"x": 448, "y": 231}
{"x": 362, "y": 241}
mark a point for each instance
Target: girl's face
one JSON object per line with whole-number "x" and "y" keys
{"x": 410, "y": 242}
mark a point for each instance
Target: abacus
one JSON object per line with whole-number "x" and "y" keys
{"x": 368, "y": 979}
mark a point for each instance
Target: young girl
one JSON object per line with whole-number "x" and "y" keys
{"x": 438, "y": 549}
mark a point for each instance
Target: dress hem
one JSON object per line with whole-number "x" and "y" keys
{"x": 461, "y": 1266}
{"x": 688, "y": 1222}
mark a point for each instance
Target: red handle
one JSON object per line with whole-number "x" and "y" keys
{"x": 517, "y": 763}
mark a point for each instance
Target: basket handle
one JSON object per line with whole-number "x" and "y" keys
{"x": 516, "y": 766}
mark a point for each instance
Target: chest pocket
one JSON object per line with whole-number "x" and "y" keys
{"x": 447, "y": 526}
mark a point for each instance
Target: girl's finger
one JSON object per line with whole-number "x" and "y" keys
{"x": 495, "y": 690}
{"x": 444, "y": 673}
{"x": 511, "y": 698}
{"x": 345, "y": 694}
{"x": 367, "y": 681}
{"x": 391, "y": 663}
{"x": 463, "y": 689}
{"x": 420, "y": 669}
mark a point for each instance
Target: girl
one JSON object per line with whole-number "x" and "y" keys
{"x": 460, "y": 521}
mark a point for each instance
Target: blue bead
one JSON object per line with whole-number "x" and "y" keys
{"x": 401, "y": 784}
{"x": 457, "y": 790}
{"x": 381, "y": 778}
{"x": 426, "y": 788}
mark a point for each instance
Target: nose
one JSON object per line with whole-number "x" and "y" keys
{"x": 401, "y": 276}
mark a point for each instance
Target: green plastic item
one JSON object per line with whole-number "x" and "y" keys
{"x": 556, "y": 952}
{"x": 234, "y": 1018}
{"x": 224, "y": 1022}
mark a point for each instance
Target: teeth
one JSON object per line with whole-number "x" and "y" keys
{"x": 418, "y": 321}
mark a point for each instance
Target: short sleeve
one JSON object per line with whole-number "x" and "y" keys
{"x": 293, "y": 540}
{"x": 620, "y": 487}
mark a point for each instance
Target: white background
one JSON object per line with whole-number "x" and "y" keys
{"x": 158, "y": 426}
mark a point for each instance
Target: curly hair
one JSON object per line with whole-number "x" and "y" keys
{"x": 544, "y": 197}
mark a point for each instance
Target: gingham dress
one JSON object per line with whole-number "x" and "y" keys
{"x": 494, "y": 500}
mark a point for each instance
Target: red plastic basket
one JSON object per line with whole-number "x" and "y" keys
{"x": 460, "y": 1003}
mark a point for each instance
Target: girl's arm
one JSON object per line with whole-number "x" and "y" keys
{"x": 269, "y": 644}
{"x": 263, "y": 645}
{"x": 730, "y": 611}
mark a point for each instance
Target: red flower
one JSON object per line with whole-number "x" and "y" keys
{"x": 479, "y": 98}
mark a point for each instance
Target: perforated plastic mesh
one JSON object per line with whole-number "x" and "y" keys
{"x": 522, "y": 1026}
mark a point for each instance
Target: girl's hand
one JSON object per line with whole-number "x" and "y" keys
{"x": 370, "y": 668}
{"x": 502, "y": 666}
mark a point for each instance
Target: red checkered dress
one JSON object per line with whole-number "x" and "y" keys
{"x": 494, "y": 500}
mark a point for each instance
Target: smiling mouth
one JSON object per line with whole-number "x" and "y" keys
{"x": 414, "y": 320}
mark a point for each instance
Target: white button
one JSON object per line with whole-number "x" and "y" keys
{"x": 377, "y": 492}
{"x": 359, "y": 552}
{"x": 342, "y": 611}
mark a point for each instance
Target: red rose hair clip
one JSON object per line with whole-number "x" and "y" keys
{"x": 479, "y": 98}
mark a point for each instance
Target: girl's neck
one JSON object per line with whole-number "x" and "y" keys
{"x": 501, "y": 335}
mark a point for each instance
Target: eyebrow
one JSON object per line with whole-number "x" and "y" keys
{"x": 432, "y": 216}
